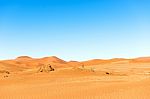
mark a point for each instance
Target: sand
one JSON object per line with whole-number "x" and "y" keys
{"x": 97, "y": 79}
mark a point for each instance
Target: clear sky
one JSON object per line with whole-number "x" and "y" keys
{"x": 75, "y": 29}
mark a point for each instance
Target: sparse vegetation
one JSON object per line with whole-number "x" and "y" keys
{"x": 46, "y": 68}
{"x": 4, "y": 71}
{"x": 83, "y": 68}
{"x": 5, "y": 76}
{"x": 107, "y": 73}
{"x": 92, "y": 69}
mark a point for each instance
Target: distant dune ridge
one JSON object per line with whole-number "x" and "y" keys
{"x": 23, "y": 62}
{"x": 23, "y": 58}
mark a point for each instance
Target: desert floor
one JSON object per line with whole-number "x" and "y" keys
{"x": 105, "y": 81}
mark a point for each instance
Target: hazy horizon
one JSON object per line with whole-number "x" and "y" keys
{"x": 74, "y": 29}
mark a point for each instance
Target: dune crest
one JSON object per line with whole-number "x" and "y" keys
{"x": 53, "y": 59}
{"x": 23, "y": 58}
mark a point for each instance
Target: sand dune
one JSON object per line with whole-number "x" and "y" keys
{"x": 94, "y": 79}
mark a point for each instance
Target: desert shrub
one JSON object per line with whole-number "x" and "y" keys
{"x": 92, "y": 69}
{"x": 4, "y": 71}
{"x": 107, "y": 73}
{"x": 46, "y": 68}
{"x": 5, "y": 76}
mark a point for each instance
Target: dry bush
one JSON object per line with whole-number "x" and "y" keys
{"x": 46, "y": 68}
{"x": 4, "y": 71}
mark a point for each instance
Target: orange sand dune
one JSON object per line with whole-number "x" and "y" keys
{"x": 94, "y": 79}
{"x": 141, "y": 59}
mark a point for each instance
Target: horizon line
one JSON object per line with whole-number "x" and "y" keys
{"x": 75, "y": 60}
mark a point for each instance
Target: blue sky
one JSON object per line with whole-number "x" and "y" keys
{"x": 75, "y": 29}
